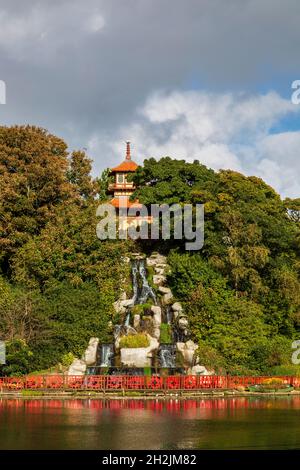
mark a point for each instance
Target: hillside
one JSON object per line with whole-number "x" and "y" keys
{"x": 58, "y": 281}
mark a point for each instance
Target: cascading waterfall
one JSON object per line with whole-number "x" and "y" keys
{"x": 127, "y": 320}
{"x": 167, "y": 355}
{"x": 142, "y": 291}
{"x": 140, "y": 295}
{"x": 146, "y": 290}
{"x": 134, "y": 272}
{"x": 168, "y": 315}
{"x": 107, "y": 353}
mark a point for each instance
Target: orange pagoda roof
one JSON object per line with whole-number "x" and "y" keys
{"x": 116, "y": 203}
{"x": 127, "y": 164}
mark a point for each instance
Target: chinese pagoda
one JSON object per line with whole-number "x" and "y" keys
{"x": 121, "y": 188}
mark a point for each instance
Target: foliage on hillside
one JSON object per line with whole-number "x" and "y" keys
{"x": 58, "y": 282}
{"x": 242, "y": 290}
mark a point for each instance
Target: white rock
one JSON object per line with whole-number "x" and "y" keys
{"x": 177, "y": 307}
{"x": 188, "y": 352}
{"x": 118, "y": 307}
{"x": 183, "y": 323}
{"x": 199, "y": 370}
{"x": 159, "y": 279}
{"x": 123, "y": 296}
{"x": 164, "y": 290}
{"x": 159, "y": 271}
{"x": 136, "y": 320}
{"x": 90, "y": 354}
{"x": 151, "y": 262}
{"x": 156, "y": 260}
{"x": 139, "y": 357}
{"x": 156, "y": 332}
{"x": 137, "y": 256}
{"x": 155, "y": 309}
{"x": 78, "y": 367}
{"x": 157, "y": 319}
{"x": 126, "y": 303}
{"x": 167, "y": 298}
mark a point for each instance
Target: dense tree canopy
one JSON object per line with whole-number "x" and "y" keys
{"x": 242, "y": 290}
{"x": 58, "y": 282}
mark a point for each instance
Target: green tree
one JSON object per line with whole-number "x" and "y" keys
{"x": 33, "y": 182}
{"x": 79, "y": 175}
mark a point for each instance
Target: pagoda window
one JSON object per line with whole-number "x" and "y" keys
{"x": 120, "y": 178}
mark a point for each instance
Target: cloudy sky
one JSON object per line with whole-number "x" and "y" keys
{"x": 194, "y": 79}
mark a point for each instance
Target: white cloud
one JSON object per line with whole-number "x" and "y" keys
{"x": 221, "y": 130}
{"x": 279, "y": 162}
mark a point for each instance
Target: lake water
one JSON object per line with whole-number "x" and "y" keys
{"x": 217, "y": 423}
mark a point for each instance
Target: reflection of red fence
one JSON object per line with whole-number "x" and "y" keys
{"x": 126, "y": 382}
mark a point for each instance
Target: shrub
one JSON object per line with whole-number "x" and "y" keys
{"x": 291, "y": 369}
{"x": 140, "y": 340}
{"x": 165, "y": 333}
{"x": 18, "y": 357}
{"x": 210, "y": 357}
{"x": 67, "y": 359}
{"x": 273, "y": 381}
{"x": 140, "y": 309}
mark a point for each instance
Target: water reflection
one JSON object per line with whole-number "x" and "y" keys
{"x": 217, "y": 423}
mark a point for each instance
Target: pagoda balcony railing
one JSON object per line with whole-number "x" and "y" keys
{"x": 114, "y": 186}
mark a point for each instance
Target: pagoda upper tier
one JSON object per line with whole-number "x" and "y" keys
{"x": 121, "y": 187}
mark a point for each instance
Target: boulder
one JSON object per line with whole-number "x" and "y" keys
{"x": 126, "y": 303}
{"x": 156, "y": 260}
{"x": 78, "y": 367}
{"x": 159, "y": 271}
{"x": 183, "y": 323}
{"x": 159, "y": 279}
{"x": 139, "y": 357}
{"x": 90, "y": 354}
{"x": 137, "y": 256}
{"x": 177, "y": 307}
{"x": 199, "y": 370}
{"x": 157, "y": 319}
{"x": 155, "y": 309}
{"x": 167, "y": 298}
{"x": 151, "y": 262}
{"x": 123, "y": 296}
{"x": 136, "y": 321}
{"x": 120, "y": 306}
{"x": 164, "y": 290}
{"x": 188, "y": 352}
{"x": 156, "y": 332}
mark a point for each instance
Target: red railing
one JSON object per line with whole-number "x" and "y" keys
{"x": 126, "y": 382}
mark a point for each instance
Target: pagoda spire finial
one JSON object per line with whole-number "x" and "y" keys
{"x": 128, "y": 156}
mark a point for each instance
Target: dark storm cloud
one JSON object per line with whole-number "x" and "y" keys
{"x": 82, "y": 68}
